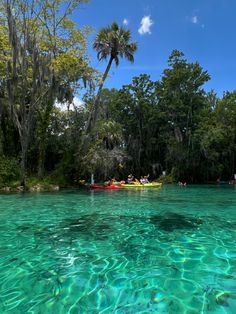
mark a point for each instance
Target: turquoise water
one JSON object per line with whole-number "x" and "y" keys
{"x": 170, "y": 250}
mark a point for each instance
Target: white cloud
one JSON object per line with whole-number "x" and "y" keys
{"x": 77, "y": 102}
{"x": 125, "y": 22}
{"x": 61, "y": 106}
{"x": 146, "y": 24}
{"x": 194, "y": 19}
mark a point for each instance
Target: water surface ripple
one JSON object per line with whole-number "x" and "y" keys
{"x": 170, "y": 250}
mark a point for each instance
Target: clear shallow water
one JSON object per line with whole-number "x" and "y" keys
{"x": 170, "y": 250}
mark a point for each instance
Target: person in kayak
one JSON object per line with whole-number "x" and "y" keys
{"x": 111, "y": 182}
{"x": 145, "y": 179}
{"x": 130, "y": 179}
{"x": 142, "y": 180}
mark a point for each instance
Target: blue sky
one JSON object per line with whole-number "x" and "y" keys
{"x": 203, "y": 29}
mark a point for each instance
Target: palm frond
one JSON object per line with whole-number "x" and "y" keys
{"x": 114, "y": 41}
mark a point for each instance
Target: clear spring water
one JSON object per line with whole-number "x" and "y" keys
{"x": 169, "y": 250}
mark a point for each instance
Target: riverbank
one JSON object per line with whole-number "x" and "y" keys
{"x": 35, "y": 188}
{"x": 36, "y": 185}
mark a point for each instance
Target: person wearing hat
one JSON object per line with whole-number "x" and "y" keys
{"x": 130, "y": 179}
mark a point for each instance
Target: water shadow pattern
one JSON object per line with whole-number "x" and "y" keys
{"x": 119, "y": 253}
{"x": 172, "y": 221}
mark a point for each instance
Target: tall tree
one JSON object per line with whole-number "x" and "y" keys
{"x": 24, "y": 77}
{"x": 38, "y": 52}
{"x": 111, "y": 42}
{"x": 226, "y": 117}
{"x": 181, "y": 97}
{"x": 135, "y": 108}
{"x": 4, "y": 57}
{"x": 66, "y": 46}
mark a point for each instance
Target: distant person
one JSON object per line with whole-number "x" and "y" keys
{"x": 145, "y": 179}
{"x": 142, "y": 180}
{"x": 111, "y": 182}
{"x": 130, "y": 179}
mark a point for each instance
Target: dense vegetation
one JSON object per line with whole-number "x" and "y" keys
{"x": 170, "y": 125}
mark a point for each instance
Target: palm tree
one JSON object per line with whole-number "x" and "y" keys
{"x": 113, "y": 42}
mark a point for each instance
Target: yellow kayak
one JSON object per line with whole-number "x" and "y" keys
{"x": 147, "y": 185}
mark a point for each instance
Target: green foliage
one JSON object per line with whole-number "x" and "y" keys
{"x": 104, "y": 154}
{"x": 114, "y": 41}
{"x": 43, "y": 59}
{"x": 4, "y": 51}
{"x": 147, "y": 126}
{"x": 181, "y": 99}
{"x": 9, "y": 170}
{"x": 168, "y": 179}
{"x": 61, "y": 176}
{"x": 135, "y": 107}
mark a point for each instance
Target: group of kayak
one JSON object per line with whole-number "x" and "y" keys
{"x": 130, "y": 183}
{"x": 119, "y": 186}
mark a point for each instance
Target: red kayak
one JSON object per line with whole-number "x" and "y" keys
{"x": 106, "y": 187}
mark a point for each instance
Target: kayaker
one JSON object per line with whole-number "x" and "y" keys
{"x": 112, "y": 181}
{"x": 142, "y": 180}
{"x": 145, "y": 179}
{"x": 130, "y": 179}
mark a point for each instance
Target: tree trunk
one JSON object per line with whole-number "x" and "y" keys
{"x": 41, "y": 160}
{"x": 94, "y": 112}
{"x": 43, "y": 126}
{"x": 24, "y": 148}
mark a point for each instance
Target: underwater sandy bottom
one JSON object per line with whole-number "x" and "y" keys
{"x": 172, "y": 250}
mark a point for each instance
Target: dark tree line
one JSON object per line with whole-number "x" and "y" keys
{"x": 171, "y": 125}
